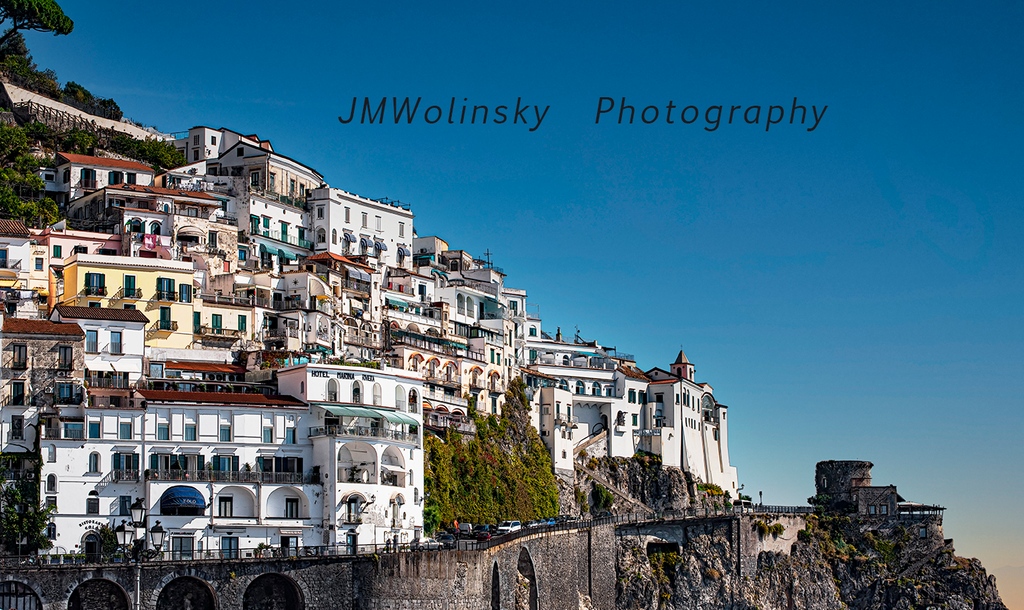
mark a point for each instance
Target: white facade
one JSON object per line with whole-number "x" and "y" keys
{"x": 366, "y": 431}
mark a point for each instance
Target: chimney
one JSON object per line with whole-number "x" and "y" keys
{"x": 558, "y": 334}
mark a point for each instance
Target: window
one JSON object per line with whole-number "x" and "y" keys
{"x": 190, "y": 432}
{"x": 129, "y": 178}
{"x": 348, "y": 215}
{"x": 39, "y": 264}
{"x": 163, "y": 432}
{"x": 634, "y": 419}
{"x": 254, "y": 179}
{"x": 195, "y": 140}
{"x": 226, "y": 506}
{"x": 268, "y": 434}
{"x": 129, "y": 287}
{"x": 65, "y": 357}
{"x": 95, "y": 304}
{"x": 165, "y": 322}
{"x": 124, "y": 431}
{"x": 922, "y": 532}
{"x": 376, "y": 222}
{"x": 57, "y": 251}
{"x": 213, "y": 140}
{"x": 94, "y": 463}
{"x": 92, "y": 506}
{"x": 184, "y": 293}
{"x": 51, "y": 502}
{"x": 51, "y": 483}
{"x": 20, "y": 356}
{"x": 217, "y": 321}
{"x": 156, "y": 370}
{"x": 124, "y": 506}
{"x": 51, "y": 531}
{"x": 291, "y": 508}
{"x": 289, "y": 436}
{"x": 164, "y": 289}
{"x": 17, "y": 392}
{"x": 211, "y": 239}
{"x": 115, "y": 342}
{"x": 401, "y": 229}
{"x": 115, "y": 177}
{"x": 320, "y": 212}
{"x": 321, "y": 236}
{"x": 229, "y": 547}
{"x": 241, "y": 151}
{"x": 642, "y": 397}
{"x": 366, "y": 218}
{"x": 242, "y": 323}
{"x": 225, "y": 433}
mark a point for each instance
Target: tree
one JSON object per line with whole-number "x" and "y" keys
{"x": 37, "y": 15}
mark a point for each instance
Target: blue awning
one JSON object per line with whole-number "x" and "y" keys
{"x": 380, "y": 245}
{"x": 404, "y": 251}
{"x": 350, "y": 238}
{"x": 181, "y": 496}
{"x": 366, "y": 242}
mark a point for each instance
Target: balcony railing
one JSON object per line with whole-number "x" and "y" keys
{"x": 292, "y": 200}
{"x": 75, "y": 398}
{"x": 287, "y": 239}
{"x": 281, "y": 333}
{"x": 357, "y": 286}
{"x": 232, "y": 333}
{"x": 19, "y": 364}
{"x": 127, "y": 293}
{"x": 230, "y": 476}
{"x": 450, "y": 382}
{"x": 88, "y": 184}
{"x": 227, "y": 299}
{"x": 165, "y": 325}
{"x": 166, "y": 295}
{"x": 362, "y": 339}
{"x": 94, "y": 291}
{"x": 432, "y": 394}
{"x": 6, "y": 263}
{"x": 107, "y": 382}
{"x": 364, "y": 432}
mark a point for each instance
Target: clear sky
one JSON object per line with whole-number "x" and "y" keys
{"x": 854, "y": 292}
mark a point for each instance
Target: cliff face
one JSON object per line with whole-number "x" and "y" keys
{"x": 836, "y": 562}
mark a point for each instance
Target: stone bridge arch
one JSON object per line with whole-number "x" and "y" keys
{"x": 187, "y": 593}
{"x": 495, "y": 588}
{"x": 273, "y": 591}
{"x": 98, "y": 594}
{"x": 526, "y": 581}
{"x": 18, "y": 594}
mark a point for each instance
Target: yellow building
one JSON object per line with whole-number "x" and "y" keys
{"x": 163, "y": 289}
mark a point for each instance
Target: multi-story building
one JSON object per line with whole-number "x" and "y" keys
{"x": 82, "y": 174}
{"x": 365, "y": 427}
{"x": 163, "y": 289}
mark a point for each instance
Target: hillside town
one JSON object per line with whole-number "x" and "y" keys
{"x": 253, "y": 356}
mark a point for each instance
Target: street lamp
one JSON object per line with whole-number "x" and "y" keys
{"x": 133, "y": 546}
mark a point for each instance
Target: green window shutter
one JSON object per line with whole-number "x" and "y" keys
{"x": 154, "y": 461}
{"x": 115, "y": 463}
{"x": 234, "y": 463}
{"x": 200, "y": 463}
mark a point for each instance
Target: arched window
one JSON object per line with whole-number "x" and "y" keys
{"x": 470, "y": 307}
{"x": 376, "y": 394}
{"x": 332, "y": 390}
{"x": 51, "y": 531}
{"x": 414, "y": 401}
{"x": 563, "y": 384}
{"x": 460, "y": 304}
{"x": 154, "y": 228}
{"x": 94, "y": 463}
{"x": 565, "y": 361}
{"x": 334, "y": 236}
{"x": 321, "y": 236}
{"x": 51, "y": 483}
{"x": 135, "y": 226}
{"x": 357, "y": 392}
{"x": 595, "y": 389}
{"x": 580, "y": 388}
{"x": 400, "y": 398}
{"x": 51, "y": 453}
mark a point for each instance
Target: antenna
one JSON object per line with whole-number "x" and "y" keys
{"x": 487, "y": 257}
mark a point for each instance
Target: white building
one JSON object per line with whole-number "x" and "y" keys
{"x": 365, "y": 427}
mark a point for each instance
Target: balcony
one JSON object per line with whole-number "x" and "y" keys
{"x": 357, "y": 286}
{"x": 164, "y": 326}
{"x": 9, "y": 264}
{"x": 119, "y": 383}
{"x": 75, "y": 398}
{"x": 19, "y": 365}
{"x": 298, "y": 201}
{"x": 166, "y": 295}
{"x": 127, "y": 293}
{"x": 227, "y": 220}
{"x": 94, "y": 291}
{"x": 285, "y": 238}
{"x": 88, "y": 184}
{"x": 227, "y": 299}
{"x": 362, "y": 339}
{"x": 364, "y": 432}
{"x": 213, "y": 331}
{"x": 281, "y": 333}
{"x": 432, "y": 395}
{"x": 230, "y": 476}
{"x": 448, "y": 382}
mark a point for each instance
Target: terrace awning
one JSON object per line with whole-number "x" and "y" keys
{"x": 404, "y": 251}
{"x": 181, "y": 496}
{"x": 352, "y": 412}
{"x": 380, "y": 245}
{"x": 349, "y": 238}
{"x": 366, "y": 242}
{"x": 357, "y": 273}
{"x": 397, "y": 302}
{"x": 399, "y": 418}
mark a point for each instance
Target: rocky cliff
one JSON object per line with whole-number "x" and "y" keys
{"x": 834, "y": 562}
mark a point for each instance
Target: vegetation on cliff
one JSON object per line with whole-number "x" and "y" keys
{"x": 503, "y": 472}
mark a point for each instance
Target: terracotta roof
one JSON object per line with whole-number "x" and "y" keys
{"x": 330, "y": 256}
{"x": 204, "y": 367}
{"x": 22, "y": 326}
{"x": 102, "y": 313}
{"x": 633, "y": 373}
{"x": 665, "y": 381}
{"x": 13, "y": 228}
{"x": 159, "y": 190}
{"x": 537, "y": 373}
{"x": 105, "y": 162}
{"x": 222, "y": 398}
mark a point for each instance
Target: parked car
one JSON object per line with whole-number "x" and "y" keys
{"x": 466, "y": 531}
{"x": 426, "y": 544}
{"x": 507, "y": 527}
{"x": 447, "y": 541}
{"x": 483, "y": 533}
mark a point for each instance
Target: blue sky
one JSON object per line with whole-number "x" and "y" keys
{"x": 853, "y": 292}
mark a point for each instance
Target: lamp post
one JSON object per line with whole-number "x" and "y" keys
{"x": 133, "y": 546}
